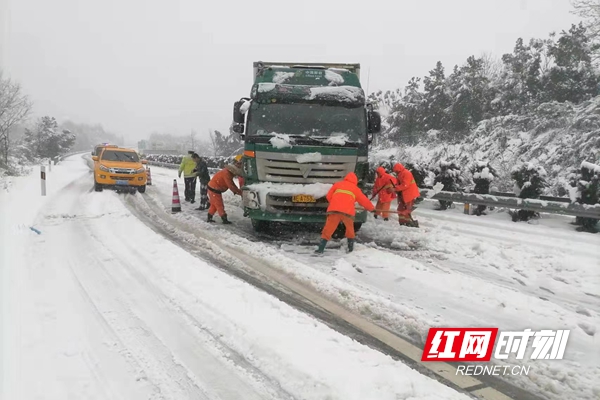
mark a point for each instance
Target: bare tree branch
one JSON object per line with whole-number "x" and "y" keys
{"x": 14, "y": 108}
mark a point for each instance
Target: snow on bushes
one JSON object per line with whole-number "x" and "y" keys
{"x": 483, "y": 175}
{"x": 585, "y": 189}
{"x": 530, "y": 182}
{"x": 448, "y": 173}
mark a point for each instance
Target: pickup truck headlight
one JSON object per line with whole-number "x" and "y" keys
{"x": 103, "y": 168}
{"x": 140, "y": 170}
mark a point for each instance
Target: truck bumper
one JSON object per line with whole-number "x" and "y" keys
{"x": 294, "y": 217}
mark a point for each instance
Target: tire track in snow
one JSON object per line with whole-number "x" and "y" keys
{"x": 257, "y": 273}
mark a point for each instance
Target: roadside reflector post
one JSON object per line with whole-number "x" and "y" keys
{"x": 43, "y": 179}
{"x": 467, "y": 208}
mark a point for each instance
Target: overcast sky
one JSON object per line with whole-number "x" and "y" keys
{"x": 138, "y": 66}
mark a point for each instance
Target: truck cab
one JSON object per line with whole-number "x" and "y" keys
{"x": 304, "y": 126}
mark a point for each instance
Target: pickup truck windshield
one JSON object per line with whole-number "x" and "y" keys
{"x": 124, "y": 156}
{"x": 303, "y": 119}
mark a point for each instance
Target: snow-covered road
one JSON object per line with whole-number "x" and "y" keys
{"x": 99, "y": 306}
{"x": 457, "y": 270}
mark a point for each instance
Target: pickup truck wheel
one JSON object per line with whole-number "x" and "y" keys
{"x": 261, "y": 226}
{"x": 97, "y": 186}
{"x": 142, "y": 189}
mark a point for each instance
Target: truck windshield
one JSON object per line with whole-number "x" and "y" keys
{"x": 313, "y": 120}
{"x": 125, "y": 156}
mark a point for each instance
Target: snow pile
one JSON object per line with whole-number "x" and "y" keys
{"x": 484, "y": 174}
{"x": 245, "y": 106}
{"x": 280, "y": 141}
{"x": 340, "y": 93}
{"x": 282, "y": 76}
{"x": 337, "y": 139}
{"x": 309, "y": 157}
{"x": 334, "y": 78}
{"x": 264, "y": 87}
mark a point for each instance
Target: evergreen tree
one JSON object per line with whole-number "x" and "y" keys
{"x": 483, "y": 175}
{"x": 587, "y": 191}
{"x": 530, "y": 182}
{"x": 436, "y": 100}
{"x": 46, "y": 140}
{"x": 449, "y": 174}
{"x": 573, "y": 77}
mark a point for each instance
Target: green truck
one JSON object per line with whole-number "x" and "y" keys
{"x": 304, "y": 127}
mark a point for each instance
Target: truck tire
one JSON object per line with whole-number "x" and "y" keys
{"x": 141, "y": 189}
{"x": 97, "y": 186}
{"x": 261, "y": 226}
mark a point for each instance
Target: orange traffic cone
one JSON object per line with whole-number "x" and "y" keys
{"x": 148, "y": 177}
{"x": 175, "y": 205}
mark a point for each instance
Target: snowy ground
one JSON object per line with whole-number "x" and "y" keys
{"x": 457, "y": 270}
{"x": 99, "y": 306}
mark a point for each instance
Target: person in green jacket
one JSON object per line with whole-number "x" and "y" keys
{"x": 187, "y": 166}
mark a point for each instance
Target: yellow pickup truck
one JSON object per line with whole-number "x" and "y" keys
{"x": 119, "y": 168}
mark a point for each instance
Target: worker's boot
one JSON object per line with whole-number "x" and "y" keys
{"x": 209, "y": 218}
{"x": 386, "y": 219}
{"x": 375, "y": 216}
{"x": 321, "y": 247}
{"x": 225, "y": 220}
{"x": 350, "y": 245}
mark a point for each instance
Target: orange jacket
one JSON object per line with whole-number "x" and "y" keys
{"x": 344, "y": 194}
{"x": 406, "y": 183}
{"x": 384, "y": 184}
{"x": 222, "y": 181}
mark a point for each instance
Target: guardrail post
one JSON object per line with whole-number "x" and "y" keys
{"x": 43, "y": 179}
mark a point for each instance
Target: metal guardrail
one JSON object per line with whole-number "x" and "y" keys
{"x": 539, "y": 205}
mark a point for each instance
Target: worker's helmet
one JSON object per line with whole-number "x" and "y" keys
{"x": 238, "y": 158}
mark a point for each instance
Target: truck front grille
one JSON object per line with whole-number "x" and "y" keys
{"x": 284, "y": 168}
{"x": 280, "y": 203}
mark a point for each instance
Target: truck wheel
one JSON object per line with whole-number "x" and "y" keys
{"x": 142, "y": 189}
{"x": 97, "y": 186}
{"x": 261, "y": 226}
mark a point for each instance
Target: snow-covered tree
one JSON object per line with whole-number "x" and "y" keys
{"x": 418, "y": 171}
{"x": 586, "y": 190}
{"x": 483, "y": 175}
{"x": 14, "y": 107}
{"x": 46, "y": 140}
{"x": 448, "y": 174}
{"x": 530, "y": 182}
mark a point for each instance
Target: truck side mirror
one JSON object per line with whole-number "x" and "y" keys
{"x": 374, "y": 121}
{"x": 238, "y": 117}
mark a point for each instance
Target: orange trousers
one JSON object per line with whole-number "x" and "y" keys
{"x": 384, "y": 207}
{"x": 333, "y": 221}
{"x": 216, "y": 203}
{"x": 404, "y": 210}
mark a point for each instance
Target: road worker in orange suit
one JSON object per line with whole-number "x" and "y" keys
{"x": 409, "y": 192}
{"x": 219, "y": 184}
{"x": 384, "y": 188}
{"x": 342, "y": 198}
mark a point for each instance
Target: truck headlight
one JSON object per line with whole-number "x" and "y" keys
{"x": 103, "y": 168}
{"x": 140, "y": 171}
{"x": 251, "y": 199}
